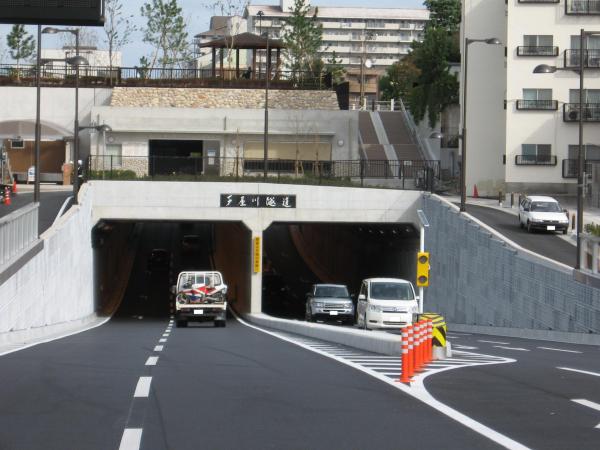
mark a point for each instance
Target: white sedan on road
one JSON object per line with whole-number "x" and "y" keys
{"x": 542, "y": 213}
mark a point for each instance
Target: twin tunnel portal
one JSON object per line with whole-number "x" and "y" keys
{"x": 136, "y": 262}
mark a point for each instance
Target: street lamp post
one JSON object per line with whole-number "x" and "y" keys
{"x": 38, "y": 127}
{"x": 75, "y": 32}
{"x": 266, "y": 137}
{"x": 544, "y": 68}
{"x": 364, "y": 62}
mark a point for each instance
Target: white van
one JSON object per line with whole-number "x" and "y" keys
{"x": 386, "y": 303}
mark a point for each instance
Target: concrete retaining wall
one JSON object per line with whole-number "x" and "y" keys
{"x": 56, "y": 285}
{"x": 478, "y": 279}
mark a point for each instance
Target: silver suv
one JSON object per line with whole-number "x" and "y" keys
{"x": 329, "y": 301}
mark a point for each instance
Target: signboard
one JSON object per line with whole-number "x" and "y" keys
{"x": 31, "y": 174}
{"x": 257, "y": 201}
{"x": 256, "y": 253}
{"x": 52, "y": 12}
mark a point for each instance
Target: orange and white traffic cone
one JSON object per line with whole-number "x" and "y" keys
{"x": 14, "y": 186}
{"x": 411, "y": 351}
{"x": 417, "y": 347}
{"x": 405, "y": 378}
{"x": 475, "y": 193}
{"x": 7, "y": 196}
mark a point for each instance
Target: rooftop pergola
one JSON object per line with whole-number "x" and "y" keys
{"x": 244, "y": 41}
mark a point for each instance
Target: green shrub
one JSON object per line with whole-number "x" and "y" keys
{"x": 592, "y": 229}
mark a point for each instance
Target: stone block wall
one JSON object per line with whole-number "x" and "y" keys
{"x": 223, "y": 98}
{"x": 478, "y": 279}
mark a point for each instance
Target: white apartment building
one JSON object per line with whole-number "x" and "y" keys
{"x": 96, "y": 57}
{"x": 220, "y": 27}
{"x": 382, "y": 35}
{"x": 522, "y": 127}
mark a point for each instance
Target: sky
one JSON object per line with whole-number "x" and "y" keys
{"x": 197, "y": 16}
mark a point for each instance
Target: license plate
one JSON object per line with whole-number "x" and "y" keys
{"x": 333, "y": 313}
{"x": 551, "y": 228}
{"x": 198, "y": 311}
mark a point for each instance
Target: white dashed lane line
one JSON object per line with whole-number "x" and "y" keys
{"x": 143, "y": 387}
{"x": 159, "y": 348}
{"x": 162, "y": 340}
{"x": 151, "y": 361}
{"x": 518, "y": 349}
{"x": 559, "y": 350}
{"x": 585, "y": 372}
{"x": 131, "y": 440}
{"x": 494, "y": 342}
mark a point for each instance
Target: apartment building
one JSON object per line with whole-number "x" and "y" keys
{"x": 380, "y": 35}
{"x": 523, "y": 126}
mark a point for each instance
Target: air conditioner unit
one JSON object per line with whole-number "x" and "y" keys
{"x": 573, "y": 115}
{"x": 17, "y": 143}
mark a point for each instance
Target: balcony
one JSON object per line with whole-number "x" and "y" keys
{"x": 591, "y": 58}
{"x": 529, "y": 50}
{"x": 591, "y": 112}
{"x": 570, "y": 168}
{"x": 537, "y": 105}
{"x": 582, "y": 7}
{"x": 535, "y": 160}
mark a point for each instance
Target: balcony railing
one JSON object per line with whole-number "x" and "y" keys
{"x": 337, "y": 172}
{"x": 582, "y": 7}
{"x": 591, "y": 112}
{"x": 92, "y": 76}
{"x": 591, "y": 58}
{"x": 537, "y": 105}
{"x": 537, "y": 50}
{"x": 570, "y": 167}
{"x": 535, "y": 160}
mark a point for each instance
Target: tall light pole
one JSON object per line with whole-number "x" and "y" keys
{"x": 266, "y": 137}
{"x": 38, "y": 127}
{"x": 364, "y": 62}
{"x": 544, "y": 68}
{"x": 463, "y": 164}
{"x": 75, "y": 32}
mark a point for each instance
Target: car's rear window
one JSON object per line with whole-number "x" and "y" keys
{"x": 388, "y": 290}
{"x": 331, "y": 291}
{"x": 187, "y": 280}
{"x": 545, "y": 207}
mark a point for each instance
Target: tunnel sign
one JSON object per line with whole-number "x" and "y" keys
{"x": 257, "y": 201}
{"x": 256, "y": 254}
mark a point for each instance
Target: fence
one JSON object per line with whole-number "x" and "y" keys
{"x": 422, "y": 174}
{"x": 18, "y": 230}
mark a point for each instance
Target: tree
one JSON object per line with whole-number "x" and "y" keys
{"x": 20, "y": 43}
{"x": 87, "y": 38}
{"x": 302, "y": 37}
{"x": 436, "y": 87}
{"x": 166, "y": 31}
{"x": 336, "y": 69}
{"x": 399, "y": 79}
{"x": 444, "y": 14}
{"x": 232, "y": 9}
{"x": 117, "y": 28}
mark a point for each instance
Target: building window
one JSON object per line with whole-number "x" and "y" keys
{"x": 537, "y": 99}
{"x": 535, "y": 155}
{"x": 537, "y": 45}
{"x": 114, "y": 154}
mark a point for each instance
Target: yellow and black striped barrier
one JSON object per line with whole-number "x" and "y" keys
{"x": 439, "y": 328}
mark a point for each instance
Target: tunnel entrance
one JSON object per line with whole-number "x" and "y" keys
{"x": 191, "y": 157}
{"x": 299, "y": 255}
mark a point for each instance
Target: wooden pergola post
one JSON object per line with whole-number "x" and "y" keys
{"x": 237, "y": 62}
{"x": 221, "y": 62}
{"x": 214, "y": 62}
{"x": 278, "y": 66}
{"x": 253, "y": 63}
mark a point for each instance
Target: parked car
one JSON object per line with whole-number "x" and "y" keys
{"x": 386, "y": 303}
{"x": 159, "y": 259}
{"x": 329, "y": 301}
{"x": 542, "y": 213}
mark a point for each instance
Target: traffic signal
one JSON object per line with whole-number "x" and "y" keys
{"x": 423, "y": 269}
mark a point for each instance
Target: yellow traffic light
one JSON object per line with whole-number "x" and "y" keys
{"x": 423, "y": 269}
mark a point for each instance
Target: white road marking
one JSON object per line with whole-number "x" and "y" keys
{"x": 459, "y": 334}
{"x": 152, "y": 360}
{"x": 452, "y": 337}
{"x": 580, "y": 371}
{"x": 162, "y": 340}
{"x": 559, "y": 350}
{"x": 159, "y": 348}
{"x": 131, "y": 440}
{"x": 587, "y": 403}
{"x": 519, "y": 349}
{"x": 416, "y": 390}
{"x": 465, "y": 347}
{"x": 494, "y": 342}
{"x": 166, "y": 335}
{"x": 143, "y": 387}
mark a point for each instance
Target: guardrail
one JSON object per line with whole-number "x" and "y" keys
{"x": 210, "y": 168}
{"x": 18, "y": 230}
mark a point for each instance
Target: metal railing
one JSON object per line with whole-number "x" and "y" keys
{"x": 539, "y": 1}
{"x": 64, "y": 75}
{"x": 591, "y": 58}
{"x": 346, "y": 172}
{"x": 582, "y": 7}
{"x": 570, "y": 168}
{"x": 529, "y": 50}
{"x": 591, "y": 112}
{"x": 535, "y": 160}
{"x": 537, "y": 105}
{"x": 18, "y": 230}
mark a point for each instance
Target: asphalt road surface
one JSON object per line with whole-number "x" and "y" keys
{"x": 50, "y": 204}
{"x": 545, "y": 243}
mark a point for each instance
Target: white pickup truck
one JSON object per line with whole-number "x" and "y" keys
{"x": 200, "y": 296}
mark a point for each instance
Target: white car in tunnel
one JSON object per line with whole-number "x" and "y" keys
{"x": 386, "y": 303}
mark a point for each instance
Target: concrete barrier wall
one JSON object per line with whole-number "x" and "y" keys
{"x": 56, "y": 285}
{"x": 478, "y": 279}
